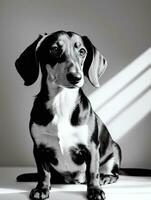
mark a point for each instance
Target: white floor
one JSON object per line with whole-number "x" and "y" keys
{"x": 127, "y": 188}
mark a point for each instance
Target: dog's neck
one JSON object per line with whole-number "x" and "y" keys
{"x": 63, "y": 100}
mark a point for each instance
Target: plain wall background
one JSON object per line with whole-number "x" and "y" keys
{"x": 120, "y": 29}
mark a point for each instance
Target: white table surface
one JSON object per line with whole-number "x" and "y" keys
{"x": 127, "y": 188}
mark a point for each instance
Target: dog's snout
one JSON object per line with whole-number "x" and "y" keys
{"x": 74, "y": 77}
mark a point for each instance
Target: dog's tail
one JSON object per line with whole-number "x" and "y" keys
{"x": 56, "y": 178}
{"x": 33, "y": 177}
{"x": 29, "y": 177}
{"x": 135, "y": 172}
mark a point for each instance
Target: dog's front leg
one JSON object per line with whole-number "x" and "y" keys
{"x": 42, "y": 189}
{"x": 94, "y": 191}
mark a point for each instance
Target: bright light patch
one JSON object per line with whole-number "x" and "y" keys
{"x": 10, "y": 191}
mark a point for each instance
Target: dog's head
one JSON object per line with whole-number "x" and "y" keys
{"x": 64, "y": 58}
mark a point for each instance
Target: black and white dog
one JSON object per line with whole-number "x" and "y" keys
{"x": 71, "y": 143}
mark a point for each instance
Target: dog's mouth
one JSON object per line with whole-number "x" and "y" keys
{"x": 68, "y": 85}
{"x": 73, "y": 86}
{"x": 76, "y": 85}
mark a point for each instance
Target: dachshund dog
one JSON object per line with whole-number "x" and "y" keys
{"x": 71, "y": 143}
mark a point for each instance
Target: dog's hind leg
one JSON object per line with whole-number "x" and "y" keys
{"x": 109, "y": 166}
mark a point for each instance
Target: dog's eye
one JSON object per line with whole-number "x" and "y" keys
{"x": 82, "y": 52}
{"x": 54, "y": 50}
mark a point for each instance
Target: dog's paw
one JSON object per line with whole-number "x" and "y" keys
{"x": 39, "y": 193}
{"x": 108, "y": 179}
{"x": 94, "y": 193}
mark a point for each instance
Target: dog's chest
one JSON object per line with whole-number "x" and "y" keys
{"x": 68, "y": 135}
{"x": 66, "y": 140}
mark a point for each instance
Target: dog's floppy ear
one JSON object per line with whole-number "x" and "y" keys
{"x": 27, "y": 65}
{"x": 95, "y": 63}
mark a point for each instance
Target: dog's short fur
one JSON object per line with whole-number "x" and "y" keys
{"x": 71, "y": 143}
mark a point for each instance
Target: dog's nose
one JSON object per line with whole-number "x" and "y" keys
{"x": 73, "y": 77}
